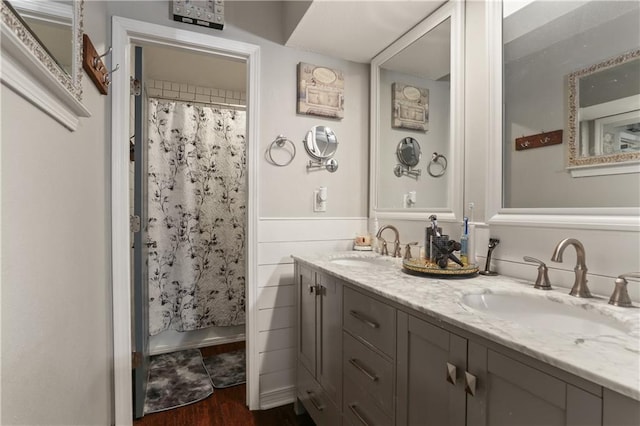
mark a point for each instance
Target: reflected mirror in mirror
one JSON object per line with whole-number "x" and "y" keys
{"x": 51, "y": 22}
{"x": 544, "y": 43}
{"x": 425, "y": 63}
{"x": 409, "y": 152}
{"x": 604, "y": 112}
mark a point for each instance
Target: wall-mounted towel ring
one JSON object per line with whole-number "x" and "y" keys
{"x": 441, "y": 161}
{"x": 282, "y": 142}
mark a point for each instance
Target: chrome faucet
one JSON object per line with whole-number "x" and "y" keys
{"x": 579, "y": 288}
{"x": 396, "y": 242}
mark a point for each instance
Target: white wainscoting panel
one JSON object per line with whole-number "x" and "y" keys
{"x": 276, "y": 318}
{"x": 276, "y": 297}
{"x": 278, "y": 239}
{"x": 272, "y": 340}
{"x": 279, "y": 360}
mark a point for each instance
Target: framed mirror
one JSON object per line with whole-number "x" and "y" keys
{"x": 604, "y": 117}
{"x": 531, "y": 94}
{"x": 43, "y": 39}
{"x": 417, "y": 99}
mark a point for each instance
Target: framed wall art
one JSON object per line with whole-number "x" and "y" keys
{"x": 410, "y": 107}
{"x": 320, "y": 91}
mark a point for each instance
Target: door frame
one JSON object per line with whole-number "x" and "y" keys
{"x": 125, "y": 33}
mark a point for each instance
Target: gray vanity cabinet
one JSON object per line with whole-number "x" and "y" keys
{"x": 430, "y": 368}
{"x": 319, "y": 370}
{"x": 443, "y": 378}
{"x": 510, "y": 392}
{"x": 366, "y": 360}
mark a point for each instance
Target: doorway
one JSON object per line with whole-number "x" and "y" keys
{"x": 126, "y": 34}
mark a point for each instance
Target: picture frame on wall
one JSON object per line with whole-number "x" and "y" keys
{"x": 320, "y": 91}
{"x": 410, "y": 106}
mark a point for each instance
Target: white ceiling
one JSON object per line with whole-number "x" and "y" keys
{"x": 357, "y": 30}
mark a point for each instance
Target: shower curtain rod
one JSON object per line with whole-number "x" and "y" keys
{"x": 231, "y": 106}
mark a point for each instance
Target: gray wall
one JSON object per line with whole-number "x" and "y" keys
{"x": 56, "y": 294}
{"x": 288, "y": 191}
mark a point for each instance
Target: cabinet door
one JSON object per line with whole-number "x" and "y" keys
{"x": 424, "y": 395}
{"x": 619, "y": 410}
{"x": 307, "y": 318}
{"x": 329, "y": 361}
{"x": 509, "y": 392}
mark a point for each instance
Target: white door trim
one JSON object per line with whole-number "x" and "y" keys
{"x": 126, "y": 32}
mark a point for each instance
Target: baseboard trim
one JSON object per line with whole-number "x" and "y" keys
{"x": 210, "y": 341}
{"x": 277, "y": 398}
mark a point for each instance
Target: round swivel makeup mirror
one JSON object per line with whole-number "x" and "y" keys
{"x": 321, "y": 144}
{"x": 408, "y": 153}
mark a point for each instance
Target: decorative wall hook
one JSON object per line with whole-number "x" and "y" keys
{"x": 93, "y": 64}
{"x": 539, "y": 140}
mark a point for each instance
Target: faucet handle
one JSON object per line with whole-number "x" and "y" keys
{"x": 407, "y": 250}
{"x": 620, "y": 296}
{"x": 384, "y": 251}
{"x": 542, "y": 281}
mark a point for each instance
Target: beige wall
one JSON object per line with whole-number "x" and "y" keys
{"x": 56, "y": 294}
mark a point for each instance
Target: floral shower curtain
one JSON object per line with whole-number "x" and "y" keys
{"x": 197, "y": 221}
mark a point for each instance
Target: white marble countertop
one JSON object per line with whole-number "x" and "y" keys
{"x": 611, "y": 361}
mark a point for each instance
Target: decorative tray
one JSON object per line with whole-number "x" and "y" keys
{"x": 453, "y": 270}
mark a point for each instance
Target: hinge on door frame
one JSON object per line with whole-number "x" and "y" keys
{"x": 134, "y": 223}
{"x": 136, "y": 86}
{"x": 136, "y": 359}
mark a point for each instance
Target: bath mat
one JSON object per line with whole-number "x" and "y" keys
{"x": 226, "y": 369}
{"x": 176, "y": 379}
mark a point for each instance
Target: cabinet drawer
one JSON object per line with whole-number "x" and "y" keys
{"x": 370, "y": 371}
{"x": 370, "y": 320}
{"x": 360, "y": 410}
{"x": 315, "y": 400}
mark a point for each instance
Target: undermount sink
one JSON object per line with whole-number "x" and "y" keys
{"x": 361, "y": 262}
{"x": 545, "y": 314}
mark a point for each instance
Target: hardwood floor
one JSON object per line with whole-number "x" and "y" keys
{"x": 226, "y": 407}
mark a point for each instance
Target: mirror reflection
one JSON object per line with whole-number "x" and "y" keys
{"x": 409, "y": 152}
{"x": 414, "y": 107}
{"x": 52, "y": 24}
{"x": 544, "y": 44}
{"x": 606, "y": 111}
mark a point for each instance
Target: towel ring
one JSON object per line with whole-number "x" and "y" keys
{"x": 280, "y": 142}
{"x": 435, "y": 159}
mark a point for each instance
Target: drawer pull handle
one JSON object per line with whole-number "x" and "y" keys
{"x": 357, "y": 315}
{"x": 356, "y": 412}
{"x": 315, "y": 403}
{"x": 470, "y": 383}
{"x": 363, "y": 369}
{"x": 452, "y": 373}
